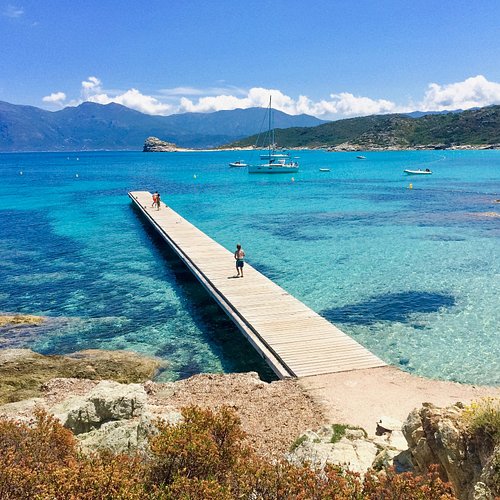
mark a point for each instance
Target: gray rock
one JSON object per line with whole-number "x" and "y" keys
{"x": 126, "y": 436}
{"x": 155, "y": 145}
{"x": 358, "y": 455}
{"x": 119, "y": 436}
{"x": 108, "y": 401}
{"x": 22, "y": 411}
{"x": 355, "y": 434}
{"x": 437, "y": 436}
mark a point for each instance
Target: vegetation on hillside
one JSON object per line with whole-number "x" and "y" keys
{"x": 483, "y": 419}
{"x": 204, "y": 457}
{"x": 474, "y": 127}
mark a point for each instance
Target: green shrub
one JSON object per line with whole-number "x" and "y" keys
{"x": 338, "y": 432}
{"x": 482, "y": 418}
{"x": 202, "y": 458}
{"x": 298, "y": 442}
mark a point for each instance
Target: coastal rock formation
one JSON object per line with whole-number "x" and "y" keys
{"x": 342, "y": 445}
{"x": 155, "y": 145}
{"x": 23, "y": 372}
{"x": 438, "y": 436}
{"x": 106, "y": 402}
{"x": 119, "y": 417}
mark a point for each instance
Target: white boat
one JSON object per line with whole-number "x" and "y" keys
{"x": 418, "y": 172}
{"x": 324, "y": 170}
{"x": 274, "y": 155}
{"x": 239, "y": 163}
{"x": 278, "y": 161}
{"x": 361, "y": 157}
{"x": 274, "y": 167}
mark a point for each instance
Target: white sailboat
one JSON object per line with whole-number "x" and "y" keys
{"x": 278, "y": 162}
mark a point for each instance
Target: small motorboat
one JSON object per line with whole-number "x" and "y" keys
{"x": 418, "y": 172}
{"x": 361, "y": 157}
{"x": 324, "y": 170}
{"x": 239, "y": 163}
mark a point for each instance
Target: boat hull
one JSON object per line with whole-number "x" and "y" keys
{"x": 272, "y": 169}
{"x": 417, "y": 172}
{"x": 238, "y": 165}
{"x": 274, "y": 156}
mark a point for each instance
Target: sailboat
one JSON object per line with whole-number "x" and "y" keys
{"x": 278, "y": 162}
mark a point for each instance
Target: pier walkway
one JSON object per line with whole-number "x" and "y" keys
{"x": 293, "y": 339}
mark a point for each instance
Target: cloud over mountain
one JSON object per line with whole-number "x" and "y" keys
{"x": 473, "y": 92}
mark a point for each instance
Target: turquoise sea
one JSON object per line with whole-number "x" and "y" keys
{"x": 412, "y": 274}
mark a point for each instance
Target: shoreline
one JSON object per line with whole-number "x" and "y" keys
{"x": 361, "y": 397}
{"x": 325, "y": 148}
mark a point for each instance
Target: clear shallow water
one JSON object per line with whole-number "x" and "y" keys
{"x": 414, "y": 275}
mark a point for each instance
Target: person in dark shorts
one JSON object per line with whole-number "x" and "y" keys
{"x": 239, "y": 256}
{"x": 158, "y": 200}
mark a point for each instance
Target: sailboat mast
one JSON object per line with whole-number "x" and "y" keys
{"x": 271, "y": 131}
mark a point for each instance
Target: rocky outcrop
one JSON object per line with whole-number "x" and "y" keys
{"x": 112, "y": 416}
{"x": 155, "y": 145}
{"x": 107, "y": 402}
{"x": 438, "y": 436}
{"x": 394, "y": 145}
{"x": 119, "y": 417}
{"x": 24, "y": 372}
{"x": 353, "y": 448}
{"x": 102, "y": 415}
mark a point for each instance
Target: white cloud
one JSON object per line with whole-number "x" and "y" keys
{"x": 344, "y": 104}
{"x": 135, "y": 100}
{"x": 256, "y": 97}
{"x": 473, "y": 92}
{"x": 347, "y": 105}
{"x": 12, "y": 11}
{"x": 92, "y": 91}
{"x": 175, "y": 92}
{"x": 92, "y": 84}
{"x": 55, "y": 97}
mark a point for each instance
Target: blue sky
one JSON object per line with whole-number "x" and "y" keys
{"x": 331, "y": 58}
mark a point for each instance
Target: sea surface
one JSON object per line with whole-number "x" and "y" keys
{"x": 412, "y": 274}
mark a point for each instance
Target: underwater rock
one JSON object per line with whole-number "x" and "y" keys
{"x": 24, "y": 372}
{"x": 20, "y": 320}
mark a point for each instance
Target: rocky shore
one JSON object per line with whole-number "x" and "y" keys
{"x": 315, "y": 420}
{"x": 355, "y": 147}
{"x": 155, "y": 145}
{"x": 90, "y": 395}
{"x": 23, "y": 372}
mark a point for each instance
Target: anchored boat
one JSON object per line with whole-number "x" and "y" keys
{"x": 239, "y": 163}
{"x": 418, "y": 172}
{"x": 278, "y": 161}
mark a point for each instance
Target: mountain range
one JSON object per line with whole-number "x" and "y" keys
{"x": 478, "y": 127}
{"x": 92, "y": 126}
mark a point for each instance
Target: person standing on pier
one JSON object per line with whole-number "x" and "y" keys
{"x": 239, "y": 256}
{"x": 158, "y": 200}
{"x": 155, "y": 195}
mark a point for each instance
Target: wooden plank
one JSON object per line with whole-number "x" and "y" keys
{"x": 294, "y": 339}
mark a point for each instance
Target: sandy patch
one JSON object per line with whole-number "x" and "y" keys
{"x": 361, "y": 397}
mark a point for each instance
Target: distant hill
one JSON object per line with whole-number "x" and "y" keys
{"x": 477, "y": 127}
{"x": 92, "y": 126}
{"x": 419, "y": 114}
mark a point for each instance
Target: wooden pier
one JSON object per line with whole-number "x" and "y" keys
{"x": 293, "y": 339}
